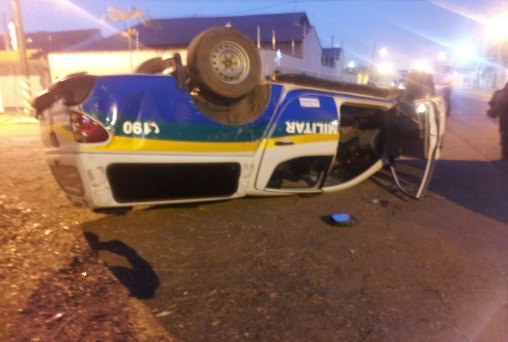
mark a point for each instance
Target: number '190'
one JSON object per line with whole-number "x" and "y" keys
{"x": 140, "y": 127}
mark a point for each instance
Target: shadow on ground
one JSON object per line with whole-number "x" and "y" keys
{"x": 138, "y": 277}
{"x": 481, "y": 186}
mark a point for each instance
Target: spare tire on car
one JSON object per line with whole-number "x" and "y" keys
{"x": 223, "y": 62}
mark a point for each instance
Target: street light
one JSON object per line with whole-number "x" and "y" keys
{"x": 385, "y": 68}
{"x": 497, "y": 28}
{"x": 380, "y": 67}
{"x": 465, "y": 53}
{"x": 383, "y": 52}
{"x": 441, "y": 56}
{"x": 496, "y": 31}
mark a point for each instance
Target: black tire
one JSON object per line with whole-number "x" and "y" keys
{"x": 223, "y": 62}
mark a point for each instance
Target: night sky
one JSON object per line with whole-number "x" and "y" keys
{"x": 408, "y": 29}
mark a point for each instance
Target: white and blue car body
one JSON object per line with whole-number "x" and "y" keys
{"x": 147, "y": 139}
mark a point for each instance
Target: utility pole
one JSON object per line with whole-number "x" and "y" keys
{"x": 23, "y": 60}
{"x": 6, "y": 34}
{"x": 116, "y": 14}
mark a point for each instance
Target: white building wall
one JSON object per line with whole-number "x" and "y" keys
{"x": 121, "y": 62}
{"x": 102, "y": 62}
{"x": 11, "y": 95}
{"x": 312, "y": 56}
{"x": 309, "y": 65}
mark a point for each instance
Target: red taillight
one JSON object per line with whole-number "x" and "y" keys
{"x": 87, "y": 130}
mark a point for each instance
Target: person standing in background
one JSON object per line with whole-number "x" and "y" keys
{"x": 499, "y": 109}
{"x": 445, "y": 86}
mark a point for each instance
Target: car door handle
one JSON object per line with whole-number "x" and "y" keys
{"x": 284, "y": 143}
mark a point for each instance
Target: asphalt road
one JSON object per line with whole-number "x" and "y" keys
{"x": 440, "y": 264}
{"x": 474, "y": 182}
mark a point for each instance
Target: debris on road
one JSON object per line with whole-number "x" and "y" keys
{"x": 381, "y": 202}
{"x": 54, "y": 318}
{"x": 340, "y": 220}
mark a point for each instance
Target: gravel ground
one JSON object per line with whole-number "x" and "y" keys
{"x": 54, "y": 287}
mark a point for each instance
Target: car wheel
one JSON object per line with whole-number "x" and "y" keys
{"x": 224, "y": 63}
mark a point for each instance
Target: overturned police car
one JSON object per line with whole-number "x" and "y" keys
{"x": 214, "y": 130}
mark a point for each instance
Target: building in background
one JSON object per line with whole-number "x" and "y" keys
{"x": 287, "y": 43}
{"x": 38, "y": 47}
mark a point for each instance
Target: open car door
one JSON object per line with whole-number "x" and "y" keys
{"x": 414, "y": 140}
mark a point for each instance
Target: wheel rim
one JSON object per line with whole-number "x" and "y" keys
{"x": 230, "y": 62}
